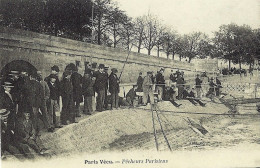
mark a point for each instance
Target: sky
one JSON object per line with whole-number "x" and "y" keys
{"x": 187, "y": 16}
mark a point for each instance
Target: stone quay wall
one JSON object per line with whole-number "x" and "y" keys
{"x": 44, "y": 51}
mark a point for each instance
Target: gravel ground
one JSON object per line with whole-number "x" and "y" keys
{"x": 132, "y": 129}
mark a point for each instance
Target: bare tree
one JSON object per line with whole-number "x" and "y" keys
{"x": 169, "y": 42}
{"x": 139, "y": 25}
{"x": 150, "y": 32}
{"x": 159, "y": 38}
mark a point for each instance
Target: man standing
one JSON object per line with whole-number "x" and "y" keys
{"x": 67, "y": 113}
{"x": 76, "y": 80}
{"x": 148, "y": 89}
{"x": 100, "y": 84}
{"x": 140, "y": 83}
{"x": 53, "y": 105}
{"x": 217, "y": 89}
{"x": 88, "y": 91}
{"x": 36, "y": 98}
{"x": 6, "y": 102}
{"x": 46, "y": 94}
{"x": 114, "y": 88}
{"x": 160, "y": 84}
{"x": 180, "y": 86}
{"x": 198, "y": 82}
{"x": 106, "y": 89}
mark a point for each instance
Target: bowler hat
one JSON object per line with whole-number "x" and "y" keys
{"x": 149, "y": 72}
{"x": 211, "y": 78}
{"x": 8, "y": 84}
{"x": 106, "y": 68}
{"x": 114, "y": 70}
{"x": 4, "y": 113}
{"x": 102, "y": 66}
{"x": 94, "y": 65}
{"x": 53, "y": 76}
{"x": 55, "y": 68}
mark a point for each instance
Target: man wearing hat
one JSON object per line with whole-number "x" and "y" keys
{"x": 106, "y": 89}
{"x": 68, "y": 106}
{"x": 211, "y": 88}
{"x": 6, "y": 102}
{"x": 8, "y": 142}
{"x": 54, "y": 71}
{"x": 198, "y": 82}
{"x": 131, "y": 96}
{"x": 180, "y": 86}
{"x": 114, "y": 88}
{"x": 46, "y": 95}
{"x": 148, "y": 89}
{"x": 100, "y": 85}
{"x": 160, "y": 84}
{"x": 140, "y": 82}
{"x": 36, "y": 99}
{"x": 53, "y": 105}
{"x": 88, "y": 91}
{"x": 76, "y": 80}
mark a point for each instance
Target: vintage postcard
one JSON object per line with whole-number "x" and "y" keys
{"x": 130, "y": 83}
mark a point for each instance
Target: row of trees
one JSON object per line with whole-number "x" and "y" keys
{"x": 110, "y": 26}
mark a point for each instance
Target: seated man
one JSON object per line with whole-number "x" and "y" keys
{"x": 26, "y": 134}
{"x": 170, "y": 95}
{"x": 131, "y": 96}
{"x": 191, "y": 96}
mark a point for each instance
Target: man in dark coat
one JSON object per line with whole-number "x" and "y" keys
{"x": 198, "y": 82}
{"x": 139, "y": 83}
{"x": 8, "y": 142}
{"x": 53, "y": 103}
{"x": 36, "y": 98}
{"x": 114, "y": 88}
{"x": 24, "y": 87}
{"x": 100, "y": 84}
{"x": 76, "y": 80}
{"x": 106, "y": 90}
{"x": 88, "y": 91}
{"x": 131, "y": 96}
{"x": 68, "y": 108}
{"x": 217, "y": 89}
{"x": 6, "y": 102}
{"x": 169, "y": 96}
{"x": 211, "y": 91}
{"x": 173, "y": 77}
{"x": 160, "y": 84}
{"x": 180, "y": 85}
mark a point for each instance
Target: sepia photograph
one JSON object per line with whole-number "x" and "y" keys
{"x": 129, "y": 83}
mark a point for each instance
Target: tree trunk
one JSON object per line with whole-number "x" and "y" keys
{"x": 158, "y": 51}
{"x": 99, "y": 31}
{"x": 173, "y": 54}
{"x": 240, "y": 64}
{"x": 149, "y": 51}
{"x": 229, "y": 64}
{"x": 180, "y": 57}
{"x": 139, "y": 45}
{"x": 189, "y": 59}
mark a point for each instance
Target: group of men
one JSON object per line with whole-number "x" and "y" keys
{"x": 27, "y": 98}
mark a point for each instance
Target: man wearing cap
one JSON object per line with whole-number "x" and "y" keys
{"x": 114, "y": 88}
{"x": 100, "y": 84}
{"x": 76, "y": 80}
{"x": 198, "y": 82}
{"x": 160, "y": 84}
{"x": 68, "y": 107}
{"x": 88, "y": 91}
{"x": 53, "y": 105}
{"x": 148, "y": 89}
{"x": 15, "y": 92}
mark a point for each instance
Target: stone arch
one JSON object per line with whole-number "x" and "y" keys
{"x": 18, "y": 65}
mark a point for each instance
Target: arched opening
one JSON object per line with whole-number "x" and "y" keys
{"x": 18, "y": 65}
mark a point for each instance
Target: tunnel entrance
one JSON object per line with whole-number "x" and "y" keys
{"x": 17, "y": 65}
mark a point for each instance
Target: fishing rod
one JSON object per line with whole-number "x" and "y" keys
{"x": 129, "y": 50}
